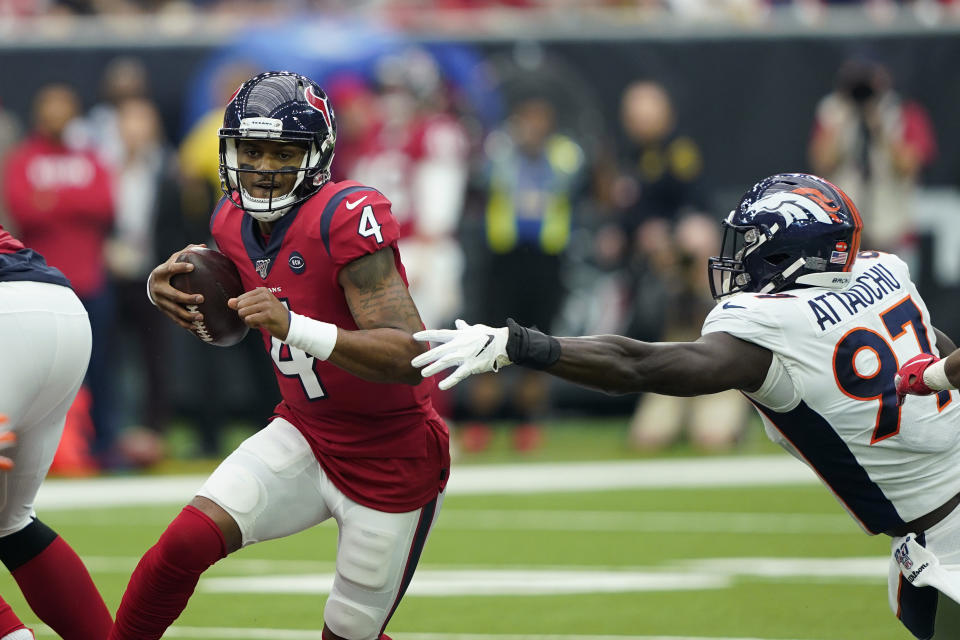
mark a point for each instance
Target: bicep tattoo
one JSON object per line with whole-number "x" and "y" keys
{"x": 376, "y": 294}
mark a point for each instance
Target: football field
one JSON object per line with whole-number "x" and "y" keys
{"x": 742, "y": 547}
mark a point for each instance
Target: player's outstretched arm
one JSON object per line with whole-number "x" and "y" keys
{"x": 173, "y": 302}
{"x": 613, "y": 364}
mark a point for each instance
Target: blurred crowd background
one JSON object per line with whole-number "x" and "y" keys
{"x": 563, "y": 163}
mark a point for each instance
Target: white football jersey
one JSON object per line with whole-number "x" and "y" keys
{"x": 829, "y": 396}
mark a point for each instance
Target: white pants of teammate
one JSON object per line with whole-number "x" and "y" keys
{"x": 44, "y": 352}
{"x": 273, "y": 486}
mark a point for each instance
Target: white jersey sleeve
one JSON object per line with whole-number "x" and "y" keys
{"x": 829, "y": 397}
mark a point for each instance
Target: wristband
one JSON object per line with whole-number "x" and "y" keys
{"x": 530, "y": 348}
{"x": 935, "y": 376}
{"x": 315, "y": 337}
{"x": 149, "y": 295}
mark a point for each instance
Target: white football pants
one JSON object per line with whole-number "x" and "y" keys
{"x": 44, "y": 352}
{"x": 273, "y": 486}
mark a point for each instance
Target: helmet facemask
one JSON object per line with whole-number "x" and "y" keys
{"x": 312, "y": 173}
{"x": 728, "y": 275}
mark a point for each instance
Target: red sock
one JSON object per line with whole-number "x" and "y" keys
{"x": 62, "y": 594}
{"x": 166, "y": 576}
{"x": 8, "y": 619}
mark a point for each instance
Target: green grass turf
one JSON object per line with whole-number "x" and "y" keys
{"x": 793, "y": 607}
{"x": 637, "y": 530}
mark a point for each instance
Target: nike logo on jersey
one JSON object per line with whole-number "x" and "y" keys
{"x": 728, "y": 305}
{"x": 353, "y": 205}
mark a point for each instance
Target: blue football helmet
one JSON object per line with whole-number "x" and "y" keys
{"x": 282, "y": 106}
{"x": 789, "y": 230}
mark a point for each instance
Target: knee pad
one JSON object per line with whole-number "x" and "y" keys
{"x": 365, "y": 556}
{"x": 17, "y": 549}
{"x": 281, "y": 447}
{"x": 235, "y": 488}
{"x": 350, "y": 620}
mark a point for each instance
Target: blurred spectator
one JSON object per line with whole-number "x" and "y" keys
{"x": 10, "y": 132}
{"x": 200, "y": 149}
{"x": 124, "y": 78}
{"x": 873, "y": 144}
{"x": 417, "y": 153}
{"x": 711, "y": 422}
{"x": 663, "y": 165}
{"x": 61, "y": 201}
{"x": 533, "y": 179}
{"x": 143, "y": 172}
{"x": 358, "y": 120}
{"x": 662, "y": 171}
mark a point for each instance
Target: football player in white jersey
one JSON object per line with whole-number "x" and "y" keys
{"x": 812, "y": 330}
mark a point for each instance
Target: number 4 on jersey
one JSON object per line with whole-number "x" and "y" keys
{"x": 369, "y": 225}
{"x": 293, "y": 362}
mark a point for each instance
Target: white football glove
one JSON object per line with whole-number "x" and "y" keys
{"x": 470, "y": 348}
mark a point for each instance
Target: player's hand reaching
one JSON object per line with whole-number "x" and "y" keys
{"x": 470, "y": 348}
{"x": 170, "y": 301}
{"x": 909, "y": 378}
{"x": 7, "y": 440}
{"x": 260, "y": 309}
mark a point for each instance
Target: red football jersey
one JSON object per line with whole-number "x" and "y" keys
{"x": 8, "y": 244}
{"x": 383, "y": 445}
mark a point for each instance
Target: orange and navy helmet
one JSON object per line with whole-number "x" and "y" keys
{"x": 789, "y": 230}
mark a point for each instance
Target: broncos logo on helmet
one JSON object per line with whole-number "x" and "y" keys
{"x": 789, "y": 230}
{"x": 282, "y": 106}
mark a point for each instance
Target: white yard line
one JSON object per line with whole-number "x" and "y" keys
{"x": 202, "y": 633}
{"x": 769, "y": 470}
{"x": 645, "y": 521}
{"x": 454, "y": 519}
{"x": 705, "y": 573}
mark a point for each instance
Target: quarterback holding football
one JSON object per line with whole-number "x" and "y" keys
{"x": 355, "y": 437}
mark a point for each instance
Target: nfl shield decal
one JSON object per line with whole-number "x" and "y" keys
{"x": 296, "y": 262}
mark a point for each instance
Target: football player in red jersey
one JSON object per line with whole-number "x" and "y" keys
{"x": 355, "y": 437}
{"x": 45, "y": 331}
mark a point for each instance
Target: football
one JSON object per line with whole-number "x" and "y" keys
{"x": 217, "y": 280}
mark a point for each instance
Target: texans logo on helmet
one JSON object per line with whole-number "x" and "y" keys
{"x": 318, "y": 103}
{"x": 233, "y": 96}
